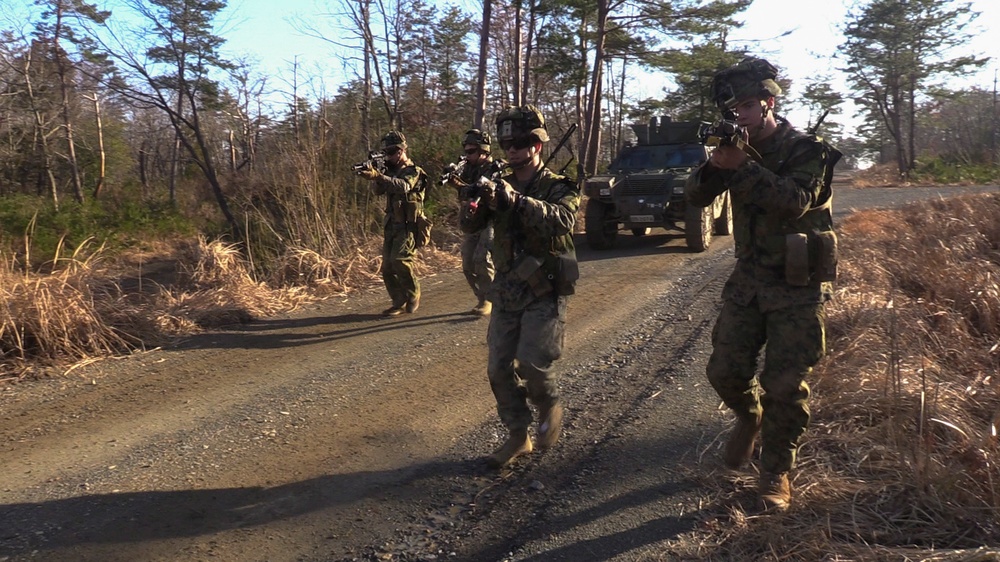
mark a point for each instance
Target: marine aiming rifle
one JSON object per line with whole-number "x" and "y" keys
{"x": 488, "y": 184}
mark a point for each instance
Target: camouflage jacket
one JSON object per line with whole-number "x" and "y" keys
{"x": 786, "y": 192}
{"x": 539, "y": 227}
{"x": 404, "y": 188}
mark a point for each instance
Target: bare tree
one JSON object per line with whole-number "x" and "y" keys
{"x": 52, "y": 30}
{"x": 168, "y": 60}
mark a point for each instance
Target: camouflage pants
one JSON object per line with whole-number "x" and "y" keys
{"x": 398, "y": 252}
{"x": 477, "y": 260}
{"x": 795, "y": 340}
{"x": 523, "y": 346}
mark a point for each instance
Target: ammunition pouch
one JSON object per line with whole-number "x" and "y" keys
{"x": 556, "y": 273}
{"x": 810, "y": 257}
{"x": 529, "y": 269}
{"x": 825, "y": 268}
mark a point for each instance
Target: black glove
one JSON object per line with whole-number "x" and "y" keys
{"x": 506, "y": 197}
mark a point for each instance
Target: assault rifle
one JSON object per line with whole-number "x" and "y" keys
{"x": 376, "y": 161}
{"x": 724, "y": 132}
{"x": 727, "y": 132}
{"x": 454, "y": 169}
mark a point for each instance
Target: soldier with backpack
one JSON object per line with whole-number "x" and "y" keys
{"x": 404, "y": 185}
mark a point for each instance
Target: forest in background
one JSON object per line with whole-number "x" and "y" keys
{"x": 128, "y": 124}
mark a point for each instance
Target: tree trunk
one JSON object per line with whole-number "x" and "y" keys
{"x": 202, "y": 154}
{"x": 911, "y": 163}
{"x": 102, "y": 172}
{"x": 41, "y": 139}
{"x": 175, "y": 150}
{"x": 232, "y": 152}
{"x": 484, "y": 55}
{"x": 516, "y": 79}
{"x": 63, "y": 71}
{"x": 529, "y": 42}
{"x": 590, "y": 151}
{"x": 366, "y": 103}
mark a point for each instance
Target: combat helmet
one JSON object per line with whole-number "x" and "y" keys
{"x": 751, "y": 77}
{"x": 393, "y": 139}
{"x": 521, "y": 121}
{"x": 479, "y": 138}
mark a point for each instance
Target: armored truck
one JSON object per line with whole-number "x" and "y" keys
{"x": 644, "y": 188}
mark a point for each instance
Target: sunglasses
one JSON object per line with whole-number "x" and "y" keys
{"x": 391, "y": 151}
{"x": 471, "y": 151}
{"x": 519, "y": 143}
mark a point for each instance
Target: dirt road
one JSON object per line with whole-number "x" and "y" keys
{"x": 335, "y": 434}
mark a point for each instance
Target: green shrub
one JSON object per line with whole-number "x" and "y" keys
{"x": 943, "y": 171}
{"x": 116, "y": 224}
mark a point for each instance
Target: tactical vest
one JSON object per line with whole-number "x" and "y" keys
{"x": 805, "y": 247}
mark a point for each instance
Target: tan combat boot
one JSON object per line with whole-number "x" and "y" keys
{"x": 739, "y": 448}
{"x": 484, "y": 308}
{"x": 394, "y": 310}
{"x": 516, "y": 445}
{"x": 774, "y": 490}
{"x": 550, "y": 417}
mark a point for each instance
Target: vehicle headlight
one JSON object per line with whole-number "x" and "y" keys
{"x": 678, "y": 189}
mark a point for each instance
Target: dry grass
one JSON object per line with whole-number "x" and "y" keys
{"x": 81, "y": 308}
{"x": 901, "y": 458}
{"x": 880, "y": 175}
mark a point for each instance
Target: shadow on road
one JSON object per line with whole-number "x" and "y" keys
{"x": 281, "y": 333}
{"x": 148, "y": 516}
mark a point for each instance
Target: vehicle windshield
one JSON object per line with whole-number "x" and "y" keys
{"x": 658, "y": 157}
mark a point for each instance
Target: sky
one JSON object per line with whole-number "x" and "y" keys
{"x": 797, "y": 36}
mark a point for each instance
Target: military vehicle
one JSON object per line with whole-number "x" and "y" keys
{"x": 644, "y": 188}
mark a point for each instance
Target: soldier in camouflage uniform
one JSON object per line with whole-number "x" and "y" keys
{"x": 477, "y": 247}
{"x": 404, "y": 185}
{"x": 533, "y": 211}
{"x": 786, "y": 260}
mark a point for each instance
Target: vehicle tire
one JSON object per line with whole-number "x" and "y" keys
{"x": 698, "y": 227}
{"x": 640, "y": 231}
{"x": 600, "y": 227}
{"x": 724, "y": 222}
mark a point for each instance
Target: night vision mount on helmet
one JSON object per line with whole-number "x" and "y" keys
{"x": 479, "y": 138}
{"x": 521, "y": 121}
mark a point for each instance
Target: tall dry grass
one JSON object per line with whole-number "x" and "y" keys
{"x": 901, "y": 460}
{"x": 81, "y": 307}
